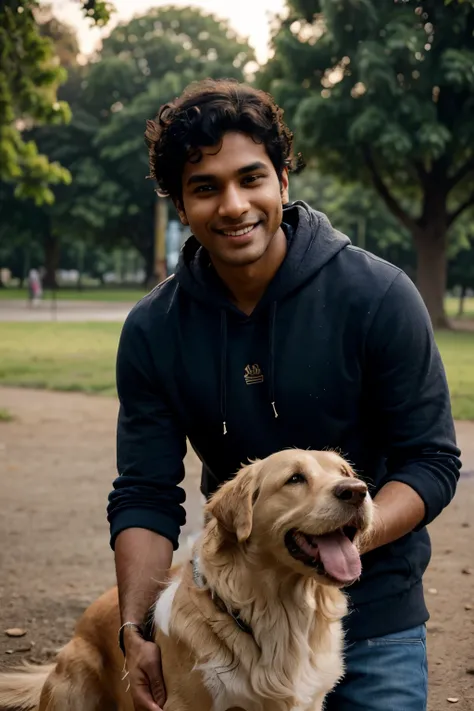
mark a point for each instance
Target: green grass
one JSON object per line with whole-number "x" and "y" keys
{"x": 5, "y": 415}
{"x": 452, "y": 306}
{"x": 457, "y": 351}
{"x": 59, "y": 356}
{"x": 70, "y": 294}
{"x": 81, "y": 357}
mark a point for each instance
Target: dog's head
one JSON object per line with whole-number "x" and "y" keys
{"x": 306, "y": 509}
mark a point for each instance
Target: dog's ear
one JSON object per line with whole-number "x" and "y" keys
{"x": 232, "y": 504}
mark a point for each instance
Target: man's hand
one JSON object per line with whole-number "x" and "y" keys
{"x": 147, "y": 686}
{"x": 398, "y": 509}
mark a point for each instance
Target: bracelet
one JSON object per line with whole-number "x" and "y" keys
{"x": 136, "y": 626}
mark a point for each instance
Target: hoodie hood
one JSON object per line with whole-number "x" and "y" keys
{"x": 312, "y": 242}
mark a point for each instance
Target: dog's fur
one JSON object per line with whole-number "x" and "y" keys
{"x": 293, "y": 656}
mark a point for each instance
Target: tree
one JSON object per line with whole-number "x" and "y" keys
{"x": 46, "y": 223}
{"x": 383, "y": 93}
{"x": 358, "y": 211}
{"x": 461, "y": 262}
{"x": 29, "y": 78}
{"x": 143, "y": 64}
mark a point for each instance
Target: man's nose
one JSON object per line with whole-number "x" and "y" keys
{"x": 233, "y": 203}
{"x": 352, "y": 491}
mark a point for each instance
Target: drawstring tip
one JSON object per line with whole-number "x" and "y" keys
{"x": 274, "y": 410}
{"x": 225, "y": 428}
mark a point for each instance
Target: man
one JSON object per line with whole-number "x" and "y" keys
{"x": 276, "y": 332}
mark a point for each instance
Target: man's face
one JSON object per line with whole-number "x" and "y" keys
{"x": 232, "y": 200}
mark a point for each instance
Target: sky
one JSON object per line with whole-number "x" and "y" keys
{"x": 250, "y": 18}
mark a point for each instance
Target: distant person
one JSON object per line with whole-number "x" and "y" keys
{"x": 276, "y": 332}
{"x": 35, "y": 289}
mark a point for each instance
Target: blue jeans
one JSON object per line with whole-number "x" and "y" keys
{"x": 384, "y": 674}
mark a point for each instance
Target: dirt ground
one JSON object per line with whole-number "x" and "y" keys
{"x": 57, "y": 462}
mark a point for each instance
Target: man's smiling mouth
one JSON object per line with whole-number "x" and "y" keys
{"x": 240, "y": 232}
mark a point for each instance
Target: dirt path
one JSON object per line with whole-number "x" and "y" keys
{"x": 57, "y": 461}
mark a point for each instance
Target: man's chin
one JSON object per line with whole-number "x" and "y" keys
{"x": 243, "y": 256}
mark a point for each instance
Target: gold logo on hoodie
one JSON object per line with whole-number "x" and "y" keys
{"x": 253, "y": 374}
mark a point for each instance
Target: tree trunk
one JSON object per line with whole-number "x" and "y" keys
{"x": 431, "y": 271}
{"x": 160, "y": 226}
{"x": 51, "y": 261}
{"x": 462, "y": 296}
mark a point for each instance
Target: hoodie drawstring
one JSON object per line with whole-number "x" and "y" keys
{"x": 271, "y": 356}
{"x": 271, "y": 364}
{"x": 223, "y": 370}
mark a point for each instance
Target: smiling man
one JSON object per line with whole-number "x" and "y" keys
{"x": 276, "y": 332}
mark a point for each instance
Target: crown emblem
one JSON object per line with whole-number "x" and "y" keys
{"x": 253, "y": 374}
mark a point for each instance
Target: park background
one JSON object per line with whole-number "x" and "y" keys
{"x": 381, "y": 99}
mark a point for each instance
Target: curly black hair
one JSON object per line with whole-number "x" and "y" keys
{"x": 200, "y": 116}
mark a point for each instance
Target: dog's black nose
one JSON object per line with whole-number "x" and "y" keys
{"x": 352, "y": 491}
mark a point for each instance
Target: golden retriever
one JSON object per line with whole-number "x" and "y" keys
{"x": 253, "y": 621}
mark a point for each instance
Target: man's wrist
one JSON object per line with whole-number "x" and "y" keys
{"x": 127, "y": 630}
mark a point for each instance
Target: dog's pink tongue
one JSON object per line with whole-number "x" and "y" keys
{"x": 339, "y": 556}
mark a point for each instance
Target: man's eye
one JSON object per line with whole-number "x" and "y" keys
{"x": 204, "y": 188}
{"x": 252, "y": 179}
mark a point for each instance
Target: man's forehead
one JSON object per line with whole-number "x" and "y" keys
{"x": 234, "y": 154}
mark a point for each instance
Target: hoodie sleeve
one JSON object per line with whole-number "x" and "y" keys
{"x": 411, "y": 397}
{"x": 151, "y": 446}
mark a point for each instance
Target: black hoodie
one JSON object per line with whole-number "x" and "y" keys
{"x": 339, "y": 353}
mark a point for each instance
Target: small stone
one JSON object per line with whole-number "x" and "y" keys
{"x": 15, "y": 632}
{"x": 432, "y": 591}
{"x": 466, "y": 571}
{"x": 465, "y": 524}
{"x": 468, "y": 607}
{"x": 448, "y": 551}
{"x": 9, "y": 651}
{"x": 453, "y": 699}
{"x": 432, "y": 627}
{"x": 470, "y": 670}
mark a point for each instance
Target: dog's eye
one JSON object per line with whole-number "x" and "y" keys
{"x": 297, "y": 479}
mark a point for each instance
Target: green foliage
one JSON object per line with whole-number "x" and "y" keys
{"x": 383, "y": 94}
{"x": 392, "y": 79}
{"x": 142, "y": 64}
{"x": 29, "y": 78}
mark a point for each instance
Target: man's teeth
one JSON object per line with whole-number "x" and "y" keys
{"x": 239, "y": 232}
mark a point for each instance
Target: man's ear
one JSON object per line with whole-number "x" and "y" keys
{"x": 284, "y": 186}
{"x": 232, "y": 504}
{"x": 181, "y": 212}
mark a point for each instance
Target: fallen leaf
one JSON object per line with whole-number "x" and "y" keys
{"x": 15, "y": 632}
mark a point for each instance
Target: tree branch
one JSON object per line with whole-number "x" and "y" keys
{"x": 461, "y": 173}
{"x": 459, "y": 210}
{"x": 386, "y": 195}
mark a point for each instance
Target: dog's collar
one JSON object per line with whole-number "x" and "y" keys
{"x": 201, "y": 582}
